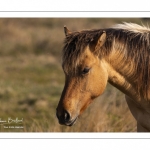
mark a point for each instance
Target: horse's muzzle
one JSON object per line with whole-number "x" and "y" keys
{"x": 65, "y": 118}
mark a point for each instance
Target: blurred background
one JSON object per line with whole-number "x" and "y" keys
{"x": 32, "y": 78}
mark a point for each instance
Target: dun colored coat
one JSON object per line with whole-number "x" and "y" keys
{"x": 119, "y": 55}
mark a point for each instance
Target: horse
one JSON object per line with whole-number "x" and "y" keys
{"x": 119, "y": 55}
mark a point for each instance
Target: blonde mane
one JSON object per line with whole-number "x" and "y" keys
{"x": 132, "y": 27}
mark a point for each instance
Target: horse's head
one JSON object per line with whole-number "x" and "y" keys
{"x": 85, "y": 76}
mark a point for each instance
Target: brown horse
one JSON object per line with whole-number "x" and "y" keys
{"x": 119, "y": 55}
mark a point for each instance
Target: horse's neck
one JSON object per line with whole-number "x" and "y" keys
{"x": 122, "y": 81}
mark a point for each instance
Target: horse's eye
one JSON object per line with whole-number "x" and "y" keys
{"x": 85, "y": 70}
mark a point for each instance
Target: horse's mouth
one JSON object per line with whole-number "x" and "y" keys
{"x": 73, "y": 122}
{"x": 69, "y": 123}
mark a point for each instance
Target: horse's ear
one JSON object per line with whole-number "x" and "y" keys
{"x": 67, "y": 32}
{"x": 96, "y": 44}
{"x": 101, "y": 40}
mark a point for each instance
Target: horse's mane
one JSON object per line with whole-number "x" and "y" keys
{"x": 132, "y": 40}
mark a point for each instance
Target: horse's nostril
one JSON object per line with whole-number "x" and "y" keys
{"x": 66, "y": 116}
{"x": 63, "y": 117}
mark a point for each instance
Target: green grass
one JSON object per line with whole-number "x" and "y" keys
{"x": 29, "y": 88}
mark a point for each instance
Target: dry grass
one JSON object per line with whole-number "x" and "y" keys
{"x": 32, "y": 78}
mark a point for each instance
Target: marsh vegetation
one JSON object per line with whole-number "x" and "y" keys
{"x": 32, "y": 78}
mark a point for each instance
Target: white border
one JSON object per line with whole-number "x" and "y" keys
{"x": 78, "y": 144}
{"x": 73, "y": 14}
{"x": 59, "y": 9}
{"x": 75, "y": 5}
{"x": 67, "y": 141}
{"x": 75, "y": 135}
